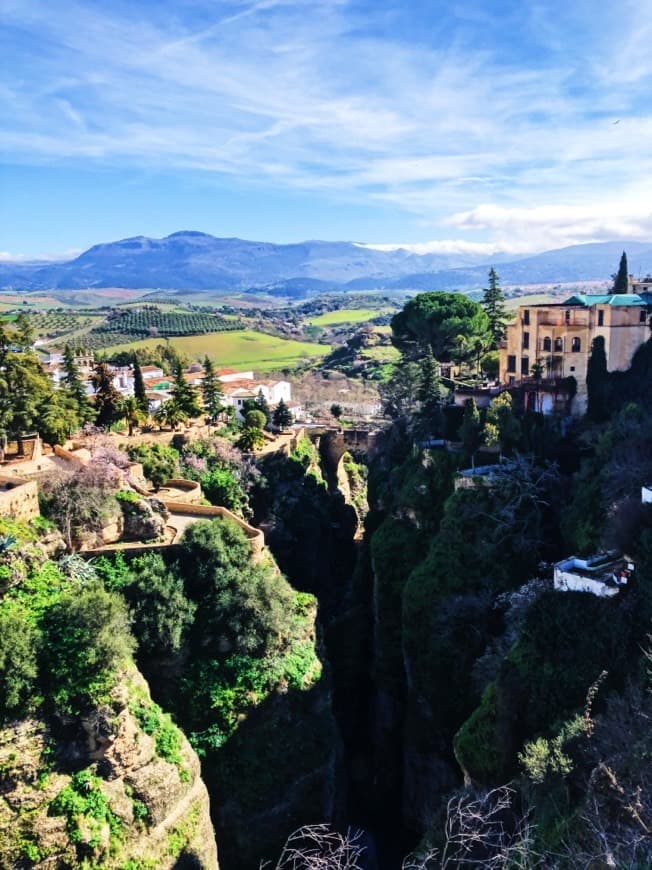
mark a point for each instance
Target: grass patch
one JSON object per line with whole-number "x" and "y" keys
{"x": 245, "y": 350}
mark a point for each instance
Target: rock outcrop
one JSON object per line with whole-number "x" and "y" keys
{"x": 119, "y": 788}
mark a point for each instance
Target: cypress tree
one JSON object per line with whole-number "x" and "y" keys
{"x": 211, "y": 390}
{"x": 493, "y": 302}
{"x": 471, "y": 428}
{"x": 73, "y": 385}
{"x": 429, "y": 395}
{"x": 107, "y": 398}
{"x": 621, "y": 278}
{"x": 140, "y": 393}
{"x": 262, "y": 405}
{"x": 183, "y": 394}
{"x": 597, "y": 382}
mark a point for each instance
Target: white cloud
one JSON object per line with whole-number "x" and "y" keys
{"x": 439, "y": 246}
{"x": 328, "y": 97}
{"x": 551, "y": 226}
{"x": 8, "y": 257}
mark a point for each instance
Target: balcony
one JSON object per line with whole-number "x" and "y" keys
{"x": 577, "y": 319}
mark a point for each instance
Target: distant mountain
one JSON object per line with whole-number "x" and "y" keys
{"x": 197, "y": 261}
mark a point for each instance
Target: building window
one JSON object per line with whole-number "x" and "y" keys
{"x": 572, "y": 368}
{"x": 526, "y": 317}
{"x": 525, "y": 365}
{"x": 511, "y": 379}
{"x": 559, "y": 345}
{"x": 547, "y": 343}
{"x": 511, "y": 363}
{"x": 526, "y": 340}
{"x": 576, "y": 345}
{"x": 642, "y": 316}
{"x": 601, "y": 317}
{"x": 567, "y": 315}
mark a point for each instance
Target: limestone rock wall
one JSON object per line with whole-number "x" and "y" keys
{"x": 98, "y": 791}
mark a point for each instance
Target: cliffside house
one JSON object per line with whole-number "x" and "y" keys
{"x": 557, "y": 337}
{"x": 602, "y": 574}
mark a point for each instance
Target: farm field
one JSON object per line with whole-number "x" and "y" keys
{"x": 348, "y": 315}
{"x": 241, "y": 350}
{"x": 382, "y": 353}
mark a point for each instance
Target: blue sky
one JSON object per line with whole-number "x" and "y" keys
{"x": 474, "y": 125}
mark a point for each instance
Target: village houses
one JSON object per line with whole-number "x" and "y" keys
{"x": 237, "y": 386}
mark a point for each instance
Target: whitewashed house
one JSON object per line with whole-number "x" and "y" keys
{"x": 602, "y": 574}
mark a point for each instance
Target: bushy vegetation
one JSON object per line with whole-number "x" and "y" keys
{"x": 63, "y": 640}
{"x": 160, "y": 463}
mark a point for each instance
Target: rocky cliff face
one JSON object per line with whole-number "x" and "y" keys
{"x": 117, "y": 788}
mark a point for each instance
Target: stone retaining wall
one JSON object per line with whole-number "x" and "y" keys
{"x": 18, "y": 498}
{"x": 255, "y": 536}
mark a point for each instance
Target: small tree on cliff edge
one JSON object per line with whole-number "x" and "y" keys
{"x": 621, "y": 278}
{"x": 493, "y": 302}
{"x": 597, "y": 382}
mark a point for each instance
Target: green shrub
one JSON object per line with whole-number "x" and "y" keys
{"x": 477, "y": 743}
{"x": 19, "y": 650}
{"x": 127, "y": 496}
{"x": 83, "y": 798}
{"x": 159, "y": 725}
{"x": 159, "y": 463}
{"x": 86, "y": 639}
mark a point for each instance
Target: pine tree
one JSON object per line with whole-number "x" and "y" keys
{"x": 24, "y": 331}
{"x": 282, "y": 416}
{"x": 621, "y": 278}
{"x": 211, "y": 390}
{"x": 183, "y": 394}
{"x": 107, "y": 398}
{"x": 493, "y": 302}
{"x": 140, "y": 393}
{"x": 74, "y": 386}
{"x": 25, "y": 393}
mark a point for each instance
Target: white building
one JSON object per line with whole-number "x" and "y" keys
{"x": 601, "y": 575}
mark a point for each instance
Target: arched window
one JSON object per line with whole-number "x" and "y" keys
{"x": 576, "y": 345}
{"x": 547, "y": 343}
{"x": 559, "y": 345}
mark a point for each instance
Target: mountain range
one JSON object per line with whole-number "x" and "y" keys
{"x": 198, "y": 261}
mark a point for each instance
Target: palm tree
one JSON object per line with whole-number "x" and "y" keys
{"x": 170, "y": 414}
{"x": 132, "y": 413}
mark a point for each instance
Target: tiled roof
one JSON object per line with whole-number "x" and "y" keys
{"x": 628, "y": 299}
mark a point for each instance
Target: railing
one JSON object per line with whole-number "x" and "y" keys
{"x": 535, "y": 382}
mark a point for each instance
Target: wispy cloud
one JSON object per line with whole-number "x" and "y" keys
{"x": 525, "y": 125}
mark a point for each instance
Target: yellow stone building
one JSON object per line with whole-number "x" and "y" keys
{"x": 556, "y": 339}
